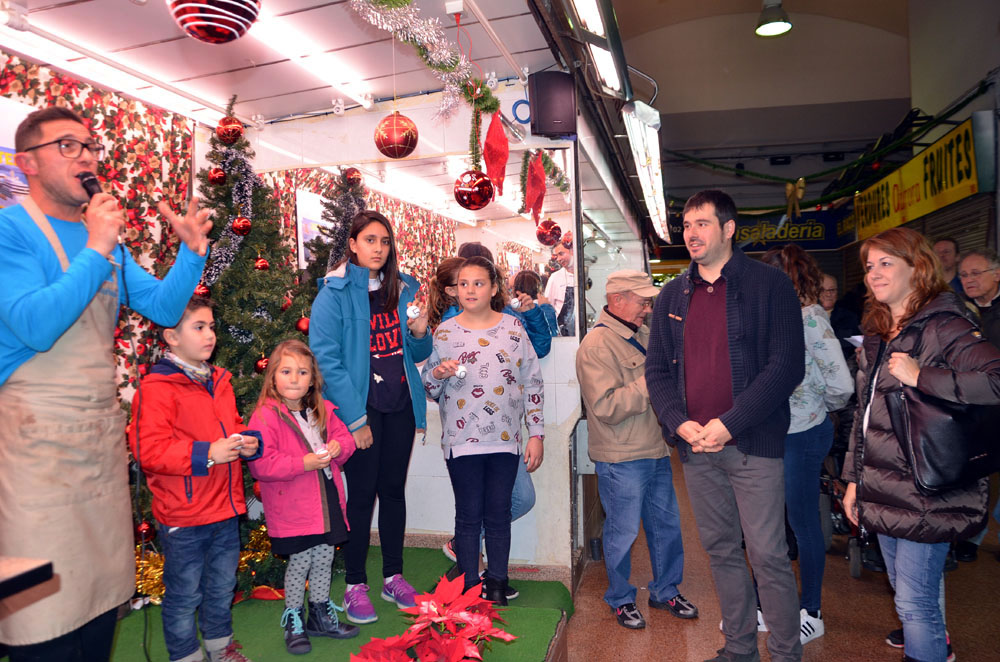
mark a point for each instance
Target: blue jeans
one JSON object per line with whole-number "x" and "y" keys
{"x": 199, "y": 578}
{"x": 633, "y": 491}
{"x": 915, "y": 571}
{"x": 522, "y": 498}
{"x": 482, "y": 485}
{"x": 804, "y": 453}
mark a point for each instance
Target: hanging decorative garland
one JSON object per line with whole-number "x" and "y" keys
{"x": 403, "y": 20}
{"x": 235, "y": 164}
{"x": 552, "y": 173}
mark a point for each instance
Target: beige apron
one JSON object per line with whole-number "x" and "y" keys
{"x": 63, "y": 474}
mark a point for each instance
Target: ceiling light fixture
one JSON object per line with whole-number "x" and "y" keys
{"x": 278, "y": 33}
{"x": 606, "y": 67}
{"x": 590, "y": 16}
{"x": 71, "y": 56}
{"x": 642, "y": 123}
{"x": 773, "y": 20}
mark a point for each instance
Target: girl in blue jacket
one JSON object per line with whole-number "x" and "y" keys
{"x": 367, "y": 348}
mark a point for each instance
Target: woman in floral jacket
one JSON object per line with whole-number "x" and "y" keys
{"x": 827, "y": 386}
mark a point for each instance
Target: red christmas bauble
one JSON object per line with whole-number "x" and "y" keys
{"x": 303, "y": 325}
{"x": 261, "y": 365}
{"x": 242, "y": 225}
{"x": 396, "y": 136}
{"x": 260, "y": 264}
{"x": 201, "y": 290}
{"x": 144, "y": 532}
{"x": 256, "y": 489}
{"x": 548, "y": 233}
{"x": 229, "y": 130}
{"x": 286, "y": 304}
{"x": 216, "y": 176}
{"x": 473, "y": 190}
{"x": 567, "y": 239}
{"x": 353, "y": 175}
{"x": 214, "y": 21}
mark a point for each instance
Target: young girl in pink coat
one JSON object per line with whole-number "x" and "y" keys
{"x": 303, "y": 449}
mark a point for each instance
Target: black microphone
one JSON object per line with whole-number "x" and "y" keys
{"x": 90, "y": 183}
{"x": 92, "y": 186}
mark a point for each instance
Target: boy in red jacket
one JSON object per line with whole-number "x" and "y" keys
{"x": 185, "y": 435}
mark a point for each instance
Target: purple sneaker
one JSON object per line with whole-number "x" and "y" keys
{"x": 398, "y": 590}
{"x": 357, "y": 605}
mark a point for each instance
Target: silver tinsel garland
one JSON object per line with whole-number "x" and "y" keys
{"x": 225, "y": 248}
{"x": 445, "y": 61}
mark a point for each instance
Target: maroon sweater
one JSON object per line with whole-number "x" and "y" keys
{"x": 708, "y": 387}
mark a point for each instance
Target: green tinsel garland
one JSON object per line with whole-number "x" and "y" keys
{"x": 552, "y": 173}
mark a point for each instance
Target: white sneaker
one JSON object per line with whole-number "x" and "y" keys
{"x": 760, "y": 623}
{"x": 809, "y": 627}
{"x": 761, "y": 626}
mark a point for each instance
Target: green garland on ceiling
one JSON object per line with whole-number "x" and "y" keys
{"x": 865, "y": 159}
{"x": 481, "y": 98}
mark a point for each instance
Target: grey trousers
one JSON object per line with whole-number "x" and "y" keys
{"x": 736, "y": 497}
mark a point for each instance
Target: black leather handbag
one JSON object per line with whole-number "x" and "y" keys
{"x": 948, "y": 445}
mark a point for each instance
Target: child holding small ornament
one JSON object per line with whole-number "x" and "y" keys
{"x": 485, "y": 377}
{"x": 367, "y": 347}
{"x": 305, "y": 446}
{"x": 180, "y": 408}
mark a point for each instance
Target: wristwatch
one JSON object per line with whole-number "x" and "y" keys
{"x": 209, "y": 463}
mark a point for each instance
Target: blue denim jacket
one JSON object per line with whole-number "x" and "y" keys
{"x": 340, "y": 337}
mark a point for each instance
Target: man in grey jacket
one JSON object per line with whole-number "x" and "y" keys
{"x": 634, "y": 478}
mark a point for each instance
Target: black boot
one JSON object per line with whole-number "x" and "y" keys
{"x": 296, "y": 641}
{"x": 323, "y": 622}
{"x": 496, "y": 591}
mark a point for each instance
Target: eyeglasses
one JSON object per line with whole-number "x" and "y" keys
{"x": 71, "y": 148}
{"x": 831, "y": 290}
{"x": 974, "y": 274}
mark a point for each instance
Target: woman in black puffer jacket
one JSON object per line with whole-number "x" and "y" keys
{"x": 933, "y": 345}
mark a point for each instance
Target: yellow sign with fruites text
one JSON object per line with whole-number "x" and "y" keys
{"x": 942, "y": 174}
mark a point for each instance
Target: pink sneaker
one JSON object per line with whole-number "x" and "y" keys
{"x": 398, "y": 590}
{"x": 358, "y": 607}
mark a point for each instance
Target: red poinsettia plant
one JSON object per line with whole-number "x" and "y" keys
{"x": 448, "y": 626}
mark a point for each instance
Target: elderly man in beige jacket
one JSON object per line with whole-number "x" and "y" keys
{"x": 634, "y": 477}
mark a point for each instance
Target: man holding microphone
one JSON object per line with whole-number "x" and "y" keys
{"x": 63, "y": 468}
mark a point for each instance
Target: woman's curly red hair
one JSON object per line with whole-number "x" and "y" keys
{"x": 926, "y": 282}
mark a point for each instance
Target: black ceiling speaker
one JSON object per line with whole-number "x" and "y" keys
{"x": 552, "y": 95}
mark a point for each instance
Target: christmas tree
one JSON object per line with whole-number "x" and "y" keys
{"x": 251, "y": 269}
{"x": 330, "y": 248}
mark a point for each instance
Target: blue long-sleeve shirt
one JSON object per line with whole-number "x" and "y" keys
{"x": 39, "y": 301}
{"x": 535, "y": 323}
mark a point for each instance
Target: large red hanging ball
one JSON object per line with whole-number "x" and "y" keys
{"x": 353, "y": 175}
{"x": 303, "y": 325}
{"x": 260, "y": 264}
{"x": 144, "y": 532}
{"x": 241, "y": 225}
{"x": 229, "y": 130}
{"x": 548, "y": 232}
{"x": 201, "y": 290}
{"x": 261, "y": 365}
{"x": 214, "y": 21}
{"x": 396, "y": 136}
{"x": 216, "y": 176}
{"x": 473, "y": 190}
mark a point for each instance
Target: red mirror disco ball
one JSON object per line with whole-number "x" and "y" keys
{"x": 214, "y": 21}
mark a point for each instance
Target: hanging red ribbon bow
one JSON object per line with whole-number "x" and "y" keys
{"x": 495, "y": 153}
{"x": 534, "y": 191}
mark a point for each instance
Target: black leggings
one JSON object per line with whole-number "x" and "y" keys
{"x": 379, "y": 471}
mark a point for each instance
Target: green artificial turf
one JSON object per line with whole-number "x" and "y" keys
{"x": 532, "y": 618}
